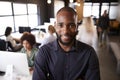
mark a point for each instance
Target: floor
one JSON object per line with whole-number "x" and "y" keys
{"x": 107, "y": 61}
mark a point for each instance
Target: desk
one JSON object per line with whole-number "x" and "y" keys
{"x": 18, "y": 77}
{"x": 15, "y": 65}
{"x": 38, "y": 35}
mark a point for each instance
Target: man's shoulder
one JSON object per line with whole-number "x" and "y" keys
{"x": 35, "y": 49}
{"x": 85, "y": 49}
{"x": 81, "y": 45}
{"x": 49, "y": 45}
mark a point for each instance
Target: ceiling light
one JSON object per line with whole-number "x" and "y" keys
{"x": 49, "y": 1}
{"x": 71, "y": 1}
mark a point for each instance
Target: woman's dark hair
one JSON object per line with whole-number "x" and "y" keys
{"x": 8, "y": 31}
{"x": 28, "y": 37}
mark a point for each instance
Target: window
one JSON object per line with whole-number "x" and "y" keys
{"x": 6, "y": 18}
{"x": 33, "y": 20}
{"x": 95, "y": 10}
{"x": 105, "y": 6}
{"x": 87, "y": 9}
{"x": 32, "y": 15}
{"x": 21, "y": 21}
{"x": 113, "y": 11}
{"x": 19, "y": 8}
{"x": 4, "y": 22}
{"x": 32, "y": 8}
{"x": 20, "y": 15}
{"x": 5, "y": 8}
{"x": 58, "y": 5}
{"x": 17, "y": 14}
{"x": 28, "y": 18}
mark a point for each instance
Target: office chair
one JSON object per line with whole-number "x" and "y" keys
{"x": 2, "y": 45}
{"x": 43, "y": 30}
{"x": 6, "y": 46}
{"x": 24, "y": 29}
{"x": 10, "y": 48}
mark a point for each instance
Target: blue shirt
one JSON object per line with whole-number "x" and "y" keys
{"x": 53, "y": 63}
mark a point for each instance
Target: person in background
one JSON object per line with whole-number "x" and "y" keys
{"x": 94, "y": 19}
{"x": 103, "y": 25}
{"x": 28, "y": 41}
{"x": 66, "y": 58}
{"x": 12, "y": 40}
{"x": 50, "y": 37}
{"x": 87, "y": 33}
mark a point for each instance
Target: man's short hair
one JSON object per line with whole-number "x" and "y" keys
{"x": 69, "y": 9}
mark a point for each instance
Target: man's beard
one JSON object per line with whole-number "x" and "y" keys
{"x": 66, "y": 43}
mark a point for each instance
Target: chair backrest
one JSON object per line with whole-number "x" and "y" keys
{"x": 24, "y": 29}
{"x": 9, "y": 46}
{"x": 2, "y": 45}
{"x": 43, "y": 30}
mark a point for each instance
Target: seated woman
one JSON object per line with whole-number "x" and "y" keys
{"x": 28, "y": 41}
{"x": 11, "y": 40}
{"x": 87, "y": 33}
{"x": 49, "y": 37}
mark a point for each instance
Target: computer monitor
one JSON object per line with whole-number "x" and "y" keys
{"x": 23, "y": 29}
{"x": 18, "y": 60}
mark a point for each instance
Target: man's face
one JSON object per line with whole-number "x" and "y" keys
{"x": 66, "y": 27}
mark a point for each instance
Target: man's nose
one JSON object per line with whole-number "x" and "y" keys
{"x": 66, "y": 29}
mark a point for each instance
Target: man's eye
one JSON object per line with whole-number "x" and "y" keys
{"x": 72, "y": 25}
{"x": 60, "y": 25}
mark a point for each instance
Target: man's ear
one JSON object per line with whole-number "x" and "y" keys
{"x": 76, "y": 32}
{"x": 55, "y": 24}
{"x": 76, "y": 29}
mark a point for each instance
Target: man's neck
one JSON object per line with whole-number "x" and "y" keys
{"x": 66, "y": 47}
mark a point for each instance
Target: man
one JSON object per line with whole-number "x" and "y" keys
{"x": 66, "y": 58}
{"x": 103, "y": 25}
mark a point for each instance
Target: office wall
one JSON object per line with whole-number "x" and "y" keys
{"x": 118, "y": 14}
{"x": 79, "y": 10}
{"x": 46, "y": 11}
